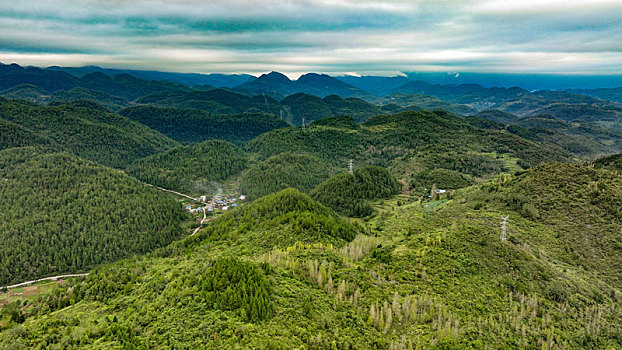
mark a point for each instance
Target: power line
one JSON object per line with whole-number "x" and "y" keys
{"x": 504, "y": 228}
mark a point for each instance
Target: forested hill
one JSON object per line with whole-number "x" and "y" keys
{"x": 584, "y": 138}
{"x": 14, "y": 135}
{"x": 216, "y": 101}
{"x": 284, "y": 272}
{"x": 125, "y": 86}
{"x": 350, "y": 194}
{"x": 84, "y": 129}
{"x": 301, "y": 171}
{"x": 579, "y": 207}
{"x": 310, "y": 107}
{"x": 62, "y": 214}
{"x": 410, "y": 142}
{"x": 277, "y": 84}
{"x": 196, "y": 169}
{"x": 612, "y": 162}
{"x": 193, "y": 125}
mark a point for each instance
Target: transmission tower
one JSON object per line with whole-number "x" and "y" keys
{"x": 303, "y": 123}
{"x": 504, "y": 228}
{"x": 351, "y": 167}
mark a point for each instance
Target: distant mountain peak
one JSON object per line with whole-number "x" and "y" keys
{"x": 315, "y": 77}
{"x": 274, "y": 77}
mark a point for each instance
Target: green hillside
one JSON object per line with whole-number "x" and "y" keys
{"x": 584, "y": 139}
{"x": 613, "y": 162}
{"x": 216, "y": 101}
{"x": 111, "y": 102}
{"x": 425, "y": 102}
{"x": 36, "y": 94}
{"x": 62, "y": 214}
{"x": 333, "y": 145}
{"x": 342, "y": 121}
{"x": 305, "y": 106}
{"x": 14, "y": 135}
{"x": 399, "y": 141}
{"x": 194, "y": 169}
{"x": 354, "y": 107}
{"x": 193, "y": 125}
{"x": 284, "y": 170}
{"x": 350, "y": 194}
{"x": 87, "y": 130}
{"x": 423, "y": 181}
{"x": 423, "y": 279}
{"x": 29, "y": 92}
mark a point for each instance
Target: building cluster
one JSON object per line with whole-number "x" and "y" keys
{"x": 216, "y": 203}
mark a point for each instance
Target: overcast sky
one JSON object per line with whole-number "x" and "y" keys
{"x": 331, "y": 36}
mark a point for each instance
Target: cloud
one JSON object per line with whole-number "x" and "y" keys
{"x": 333, "y": 36}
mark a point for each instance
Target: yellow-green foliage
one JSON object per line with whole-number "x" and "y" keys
{"x": 416, "y": 280}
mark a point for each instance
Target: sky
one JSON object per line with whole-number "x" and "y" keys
{"x": 329, "y": 36}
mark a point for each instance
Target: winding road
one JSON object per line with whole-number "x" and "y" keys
{"x": 53, "y": 278}
{"x": 205, "y": 219}
{"x": 174, "y": 192}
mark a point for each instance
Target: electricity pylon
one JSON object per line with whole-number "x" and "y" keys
{"x": 504, "y": 228}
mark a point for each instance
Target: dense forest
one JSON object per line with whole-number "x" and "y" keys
{"x": 583, "y": 138}
{"x": 193, "y": 125}
{"x": 313, "y": 108}
{"x": 343, "y": 121}
{"x": 195, "y": 169}
{"x": 388, "y": 140}
{"x": 440, "y": 279}
{"x": 60, "y": 213}
{"x": 123, "y": 86}
{"x": 350, "y": 194}
{"x": 524, "y": 252}
{"x": 86, "y": 130}
{"x": 216, "y": 101}
{"x": 34, "y": 93}
{"x": 14, "y": 135}
{"x": 284, "y": 170}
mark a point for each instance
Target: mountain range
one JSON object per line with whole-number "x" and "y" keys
{"x": 272, "y": 213}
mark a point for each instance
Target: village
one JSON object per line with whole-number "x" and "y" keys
{"x": 215, "y": 203}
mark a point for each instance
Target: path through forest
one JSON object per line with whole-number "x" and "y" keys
{"x": 205, "y": 219}
{"x": 53, "y": 278}
{"x": 174, "y": 192}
